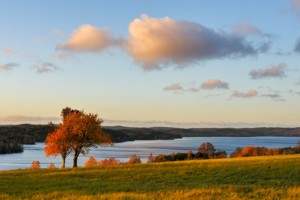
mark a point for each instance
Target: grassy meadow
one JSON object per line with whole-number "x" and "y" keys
{"x": 272, "y": 177}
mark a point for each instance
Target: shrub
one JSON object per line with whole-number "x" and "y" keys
{"x": 92, "y": 162}
{"x": 51, "y": 166}
{"x": 134, "y": 160}
{"x": 221, "y": 154}
{"x": 108, "y": 162}
{"x": 150, "y": 158}
{"x": 35, "y": 165}
{"x": 160, "y": 158}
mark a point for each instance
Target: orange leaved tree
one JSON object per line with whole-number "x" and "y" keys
{"x": 84, "y": 132}
{"x": 57, "y": 144}
{"x": 78, "y": 132}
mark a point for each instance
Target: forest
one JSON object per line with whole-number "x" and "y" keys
{"x": 12, "y": 137}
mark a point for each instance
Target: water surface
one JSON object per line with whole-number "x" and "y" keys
{"x": 142, "y": 148}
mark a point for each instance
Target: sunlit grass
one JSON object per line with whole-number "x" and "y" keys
{"x": 273, "y": 177}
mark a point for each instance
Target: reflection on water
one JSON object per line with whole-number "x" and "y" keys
{"x": 142, "y": 148}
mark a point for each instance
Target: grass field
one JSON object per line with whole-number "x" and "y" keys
{"x": 274, "y": 177}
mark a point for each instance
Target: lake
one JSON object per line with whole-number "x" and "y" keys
{"x": 142, "y": 148}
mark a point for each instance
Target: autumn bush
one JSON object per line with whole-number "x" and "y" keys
{"x": 92, "y": 162}
{"x": 51, "y": 166}
{"x": 134, "y": 160}
{"x": 263, "y": 151}
{"x": 35, "y": 165}
{"x": 108, "y": 162}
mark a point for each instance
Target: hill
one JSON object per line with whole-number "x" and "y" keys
{"x": 14, "y": 135}
{"x": 273, "y": 177}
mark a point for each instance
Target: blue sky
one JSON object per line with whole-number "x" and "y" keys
{"x": 152, "y": 63}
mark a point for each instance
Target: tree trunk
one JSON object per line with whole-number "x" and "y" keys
{"x": 75, "y": 161}
{"x": 76, "y": 154}
{"x": 63, "y": 163}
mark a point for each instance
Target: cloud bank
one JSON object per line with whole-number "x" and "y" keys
{"x": 8, "y": 66}
{"x": 275, "y": 71}
{"x": 214, "y": 84}
{"x": 251, "y": 93}
{"x": 20, "y": 119}
{"x": 155, "y": 43}
{"x": 88, "y": 38}
{"x": 221, "y": 124}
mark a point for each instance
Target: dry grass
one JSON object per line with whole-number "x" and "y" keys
{"x": 273, "y": 177}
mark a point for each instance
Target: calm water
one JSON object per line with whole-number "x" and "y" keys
{"x": 142, "y": 148}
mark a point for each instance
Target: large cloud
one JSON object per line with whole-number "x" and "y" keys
{"x": 249, "y": 94}
{"x": 275, "y": 71}
{"x": 88, "y": 38}
{"x": 8, "y": 66}
{"x": 155, "y": 43}
{"x": 214, "y": 84}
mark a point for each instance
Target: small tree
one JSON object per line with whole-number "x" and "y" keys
{"x": 189, "y": 154}
{"x": 150, "y": 158}
{"x": 57, "y": 144}
{"x": 207, "y": 148}
{"x": 84, "y": 132}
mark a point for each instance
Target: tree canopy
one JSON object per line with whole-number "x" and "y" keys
{"x": 78, "y": 133}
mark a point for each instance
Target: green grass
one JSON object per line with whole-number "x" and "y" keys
{"x": 274, "y": 177}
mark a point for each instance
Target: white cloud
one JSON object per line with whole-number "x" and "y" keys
{"x": 275, "y": 71}
{"x": 214, "y": 84}
{"x": 156, "y": 43}
{"x": 88, "y": 38}
{"x": 8, "y": 66}
{"x": 45, "y": 67}
{"x": 173, "y": 87}
{"x": 249, "y": 94}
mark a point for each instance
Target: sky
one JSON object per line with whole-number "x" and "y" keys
{"x": 139, "y": 63}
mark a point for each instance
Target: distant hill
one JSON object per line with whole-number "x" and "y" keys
{"x": 29, "y": 134}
